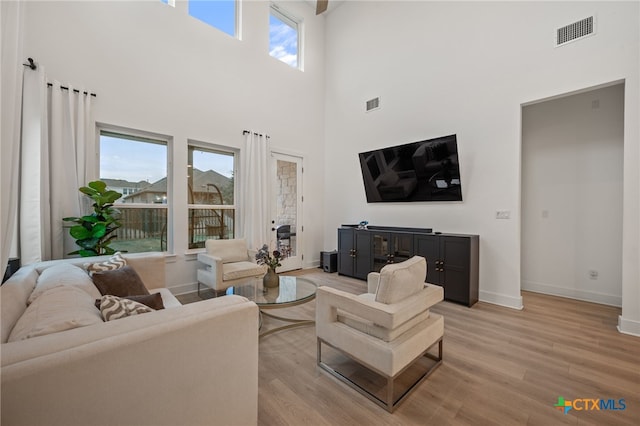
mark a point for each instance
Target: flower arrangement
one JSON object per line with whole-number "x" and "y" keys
{"x": 271, "y": 259}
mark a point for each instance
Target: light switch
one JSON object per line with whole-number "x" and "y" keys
{"x": 503, "y": 214}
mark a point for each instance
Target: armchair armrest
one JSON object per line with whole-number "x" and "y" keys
{"x": 329, "y": 300}
{"x": 373, "y": 279}
{"x": 214, "y": 270}
{"x": 209, "y": 259}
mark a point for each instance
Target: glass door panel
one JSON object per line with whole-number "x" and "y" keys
{"x": 286, "y": 209}
{"x": 380, "y": 251}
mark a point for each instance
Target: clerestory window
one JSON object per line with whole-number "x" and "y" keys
{"x": 220, "y": 14}
{"x": 284, "y": 37}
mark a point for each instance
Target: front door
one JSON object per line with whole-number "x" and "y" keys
{"x": 286, "y": 209}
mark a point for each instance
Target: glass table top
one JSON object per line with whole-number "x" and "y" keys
{"x": 291, "y": 291}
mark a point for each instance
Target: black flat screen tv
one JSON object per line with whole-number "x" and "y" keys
{"x": 426, "y": 170}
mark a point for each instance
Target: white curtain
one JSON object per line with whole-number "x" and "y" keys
{"x": 11, "y": 28}
{"x": 57, "y": 134}
{"x": 254, "y": 213}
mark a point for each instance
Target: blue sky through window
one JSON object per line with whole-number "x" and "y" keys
{"x": 132, "y": 160}
{"x": 283, "y": 41}
{"x": 220, "y": 14}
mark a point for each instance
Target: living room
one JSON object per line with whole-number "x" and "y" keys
{"x": 438, "y": 68}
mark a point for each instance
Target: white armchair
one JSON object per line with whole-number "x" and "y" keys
{"x": 386, "y": 330}
{"x": 228, "y": 263}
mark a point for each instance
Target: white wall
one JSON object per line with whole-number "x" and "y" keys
{"x": 572, "y": 156}
{"x": 154, "y": 68}
{"x": 466, "y": 68}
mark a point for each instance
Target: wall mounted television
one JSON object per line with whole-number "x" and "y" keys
{"x": 426, "y": 170}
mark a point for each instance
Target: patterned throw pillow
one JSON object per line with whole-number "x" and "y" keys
{"x": 114, "y": 307}
{"x": 114, "y": 262}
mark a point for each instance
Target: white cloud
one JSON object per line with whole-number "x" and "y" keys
{"x": 283, "y": 43}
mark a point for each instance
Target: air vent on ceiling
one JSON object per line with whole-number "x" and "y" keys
{"x": 373, "y": 104}
{"x": 575, "y": 31}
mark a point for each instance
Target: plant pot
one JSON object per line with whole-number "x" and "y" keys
{"x": 271, "y": 279}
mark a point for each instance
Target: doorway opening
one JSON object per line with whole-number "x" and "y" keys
{"x": 571, "y": 186}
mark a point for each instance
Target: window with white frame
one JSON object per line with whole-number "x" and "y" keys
{"x": 284, "y": 37}
{"x": 220, "y": 14}
{"x": 169, "y": 2}
{"x": 135, "y": 165}
{"x": 211, "y": 194}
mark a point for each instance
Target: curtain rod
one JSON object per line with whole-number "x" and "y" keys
{"x": 75, "y": 90}
{"x": 33, "y": 66}
{"x": 244, "y": 132}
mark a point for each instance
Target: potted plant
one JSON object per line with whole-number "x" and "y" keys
{"x": 94, "y": 232}
{"x": 272, "y": 260}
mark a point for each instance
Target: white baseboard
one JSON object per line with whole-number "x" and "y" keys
{"x": 628, "y": 326}
{"x": 573, "y": 293}
{"x": 501, "y": 299}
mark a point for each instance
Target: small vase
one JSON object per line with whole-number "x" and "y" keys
{"x": 271, "y": 279}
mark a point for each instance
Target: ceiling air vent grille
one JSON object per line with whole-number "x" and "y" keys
{"x": 575, "y": 31}
{"x": 373, "y": 104}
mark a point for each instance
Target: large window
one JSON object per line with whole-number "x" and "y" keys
{"x": 284, "y": 37}
{"x": 220, "y": 14}
{"x": 211, "y": 194}
{"x": 136, "y": 166}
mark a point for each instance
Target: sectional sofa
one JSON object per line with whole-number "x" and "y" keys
{"x": 189, "y": 365}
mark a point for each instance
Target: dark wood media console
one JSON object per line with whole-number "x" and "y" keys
{"x": 452, "y": 259}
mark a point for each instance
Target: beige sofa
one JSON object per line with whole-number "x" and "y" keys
{"x": 195, "y": 364}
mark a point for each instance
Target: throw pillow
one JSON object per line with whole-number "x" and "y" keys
{"x": 114, "y": 262}
{"x": 401, "y": 280}
{"x": 120, "y": 282}
{"x": 58, "y": 309}
{"x": 153, "y": 300}
{"x": 63, "y": 274}
{"x": 114, "y": 307}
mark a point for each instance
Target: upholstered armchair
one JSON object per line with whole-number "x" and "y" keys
{"x": 386, "y": 330}
{"x": 228, "y": 263}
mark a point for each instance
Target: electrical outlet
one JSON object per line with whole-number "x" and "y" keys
{"x": 593, "y": 274}
{"x": 503, "y": 214}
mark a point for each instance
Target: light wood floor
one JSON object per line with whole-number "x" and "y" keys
{"x": 501, "y": 366}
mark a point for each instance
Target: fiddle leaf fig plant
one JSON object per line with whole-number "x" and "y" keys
{"x": 94, "y": 232}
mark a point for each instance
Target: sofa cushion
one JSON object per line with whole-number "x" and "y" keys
{"x": 63, "y": 274}
{"x": 372, "y": 329}
{"x": 119, "y": 282}
{"x": 58, "y": 309}
{"x": 228, "y": 250}
{"x": 401, "y": 280}
{"x": 114, "y": 307}
{"x": 150, "y": 267}
{"x": 14, "y": 295}
{"x": 233, "y": 271}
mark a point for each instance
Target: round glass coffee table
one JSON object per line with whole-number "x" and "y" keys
{"x": 291, "y": 291}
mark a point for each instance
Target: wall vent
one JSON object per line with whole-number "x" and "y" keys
{"x": 575, "y": 31}
{"x": 373, "y": 104}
